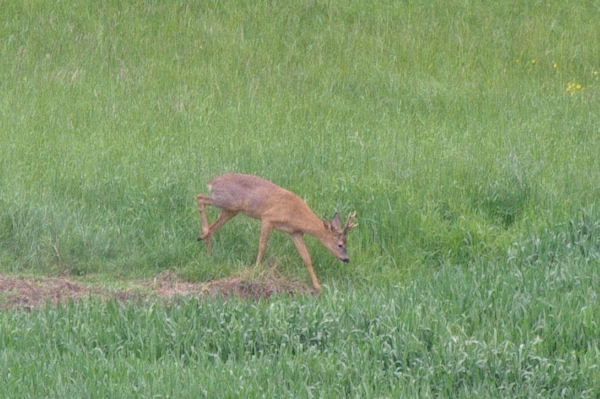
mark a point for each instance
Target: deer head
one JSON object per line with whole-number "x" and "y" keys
{"x": 336, "y": 237}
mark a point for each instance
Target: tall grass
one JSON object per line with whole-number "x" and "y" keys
{"x": 433, "y": 120}
{"x": 465, "y": 134}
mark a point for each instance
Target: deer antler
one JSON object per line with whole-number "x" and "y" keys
{"x": 349, "y": 225}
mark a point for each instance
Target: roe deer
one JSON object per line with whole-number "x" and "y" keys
{"x": 278, "y": 209}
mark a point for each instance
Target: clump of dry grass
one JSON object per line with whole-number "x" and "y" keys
{"x": 247, "y": 284}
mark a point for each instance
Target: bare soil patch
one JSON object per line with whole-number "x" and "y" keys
{"x": 31, "y": 292}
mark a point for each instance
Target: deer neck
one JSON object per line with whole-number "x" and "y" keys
{"x": 316, "y": 228}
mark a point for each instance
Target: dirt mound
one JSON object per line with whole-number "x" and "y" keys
{"x": 32, "y": 292}
{"x": 29, "y": 292}
{"x": 245, "y": 286}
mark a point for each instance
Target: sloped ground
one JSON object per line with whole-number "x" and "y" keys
{"x": 31, "y": 292}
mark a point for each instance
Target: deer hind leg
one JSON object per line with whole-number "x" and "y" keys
{"x": 301, "y": 247}
{"x": 203, "y": 200}
{"x": 224, "y": 216}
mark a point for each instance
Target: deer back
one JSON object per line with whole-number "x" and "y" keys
{"x": 251, "y": 195}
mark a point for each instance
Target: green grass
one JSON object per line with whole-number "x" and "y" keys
{"x": 464, "y": 134}
{"x": 523, "y": 329}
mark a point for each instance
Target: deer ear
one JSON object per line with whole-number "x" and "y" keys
{"x": 336, "y": 222}
{"x": 326, "y": 224}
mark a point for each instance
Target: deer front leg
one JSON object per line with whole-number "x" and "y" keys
{"x": 265, "y": 229}
{"x": 301, "y": 247}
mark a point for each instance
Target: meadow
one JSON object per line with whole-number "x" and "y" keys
{"x": 464, "y": 134}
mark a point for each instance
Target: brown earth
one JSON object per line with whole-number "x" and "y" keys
{"x": 31, "y": 292}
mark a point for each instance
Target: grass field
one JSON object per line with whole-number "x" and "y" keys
{"x": 464, "y": 134}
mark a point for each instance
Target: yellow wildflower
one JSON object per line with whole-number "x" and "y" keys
{"x": 573, "y": 87}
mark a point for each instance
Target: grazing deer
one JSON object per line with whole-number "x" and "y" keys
{"x": 278, "y": 209}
